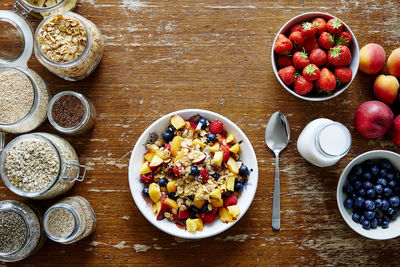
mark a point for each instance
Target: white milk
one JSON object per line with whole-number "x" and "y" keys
{"x": 323, "y": 142}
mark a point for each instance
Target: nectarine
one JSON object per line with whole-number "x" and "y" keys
{"x": 386, "y": 88}
{"x": 393, "y": 63}
{"x": 372, "y": 58}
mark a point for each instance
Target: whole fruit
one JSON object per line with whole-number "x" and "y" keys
{"x": 393, "y": 63}
{"x": 372, "y": 58}
{"x": 373, "y": 119}
{"x": 386, "y": 88}
{"x": 396, "y": 131}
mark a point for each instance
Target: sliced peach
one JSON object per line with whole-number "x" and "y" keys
{"x": 155, "y": 162}
{"x": 235, "y": 148}
{"x": 152, "y": 148}
{"x": 149, "y": 156}
{"x": 178, "y": 122}
{"x": 230, "y": 138}
{"x": 145, "y": 168}
{"x": 154, "y": 192}
{"x": 214, "y": 148}
{"x": 217, "y": 159}
{"x": 176, "y": 145}
{"x": 216, "y": 193}
{"x": 217, "y": 203}
{"x": 171, "y": 203}
{"x": 234, "y": 210}
{"x": 232, "y": 165}
{"x": 191, "y": 225}
{"x": 171, "y": 186}
{"x": 198, "y": 142}
{"x": 199, "y": 223}
{"x": 224, "y": 215}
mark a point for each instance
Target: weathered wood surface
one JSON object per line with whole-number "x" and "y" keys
{"x": 162, "y": 56}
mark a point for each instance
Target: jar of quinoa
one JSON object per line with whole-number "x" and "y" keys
{"x": 21, "y": 234}
{"x": 40, "y": 166}
{"x": 68, "y": 45}
{"x": 43, "y": 8}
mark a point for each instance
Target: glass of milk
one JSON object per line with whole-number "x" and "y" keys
{"x": 323, "y": 142}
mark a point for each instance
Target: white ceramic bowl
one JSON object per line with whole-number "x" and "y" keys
{"x": 378, "y": 233}
{"x": 247, "y": 156}
{"x": 353, "y": 47}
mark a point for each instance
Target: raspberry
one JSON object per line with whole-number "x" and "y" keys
{"x": 216, "y": 127}
{"x": 167, "y": 147}
{"x": 227, "y": 153}
{"x": 208, "y": 217}
{"x": 230, "y": 200}
{"x": 192, "y": 125}
{"x": 204, "y": 174}
{"x": 147, "y": 178}
{"x": 177, "y": 171}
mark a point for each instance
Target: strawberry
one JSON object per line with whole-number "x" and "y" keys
{"x": 334, "y": 26}
{"x": 302, "y": 86}
{"x": 295, "y": 28}
{"x": 192, "y": 125}
{"x": 216, "y": 127}
{"x": 326, "y": 40}
{"x": 177, "y": 171}
{"x": 343, "y": 39}
{"x": 283, "y": 44}
{"x": 284, "y": 61}
{"x": 320, "y": 23}
{"x": 310, "y": 43}
{"x": 339, "y": 56}
{"x": 344, "y": 74}
{"x": 311, "y": 72}
{"x": 287, "y": 75}
{"x": 318, "y": 57}
{"x": 327, "y": 80}
{"x": 230, "y": 200}
{"x": 204, "y": 174}
{"x": 208, "y": 217}
{"x": 183, "y": 214}
{"x": 147, "y": 178}
{"x": 297, "y": 38}
{"x": 308, "y": 29}
{"x": 227, "y": 153}
{"x": 300, "y": 60}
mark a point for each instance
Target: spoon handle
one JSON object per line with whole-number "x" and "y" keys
{"x": 276, "y": 204}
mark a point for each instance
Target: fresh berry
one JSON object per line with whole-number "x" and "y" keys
{"x": 211, "y": 137}
{"x": 243, "y": 171}
{"x": 145, "y": 191}
{"x": 147, "y": 178}
{"x": 282, "y": 44}
{"x": 203, "y": 122}
{"x": 215, "y": 176}
{"x": 204, "y": 174}
{"x": 297, "y": 38}
{"x": 163, "y": 182}
{"x": 326, "y": 40}
{"x": 192, "y": 125}
{"x": 208, "y": 217}
{"x": 287, "y": 75}
{"x": 310, "y": 43}
{"x": 167, "y": 147}
{"x": 326, "y": 81}
{"x": 334, "y": 26}
{"x": 177, "y": 171}
{"x": 300, "y": 60}
{"x": 194, "y": 171}
{"x": 230, "y": 200}
{"x": 348, "y": 203}
{"x": 172, "y": 195}
{"x": 343, "y": 39}
{"x": 311, "y": 72}
{"x": 216, "y": 127}
{"x": 302, "y": 86}
{"x": 167, "y": 136}
{"x": 320, "y": 23}
{"x": 308, "y": 29}
{"x": 227, "y": 153}
{"x": 295, "y": 28}
{"x": 344, "y": 75}
{"x": 238, "y": 187}
{"x": 318, "y": 57}
{"x": 284, "y": 61}
{"x": 339, "y": 56}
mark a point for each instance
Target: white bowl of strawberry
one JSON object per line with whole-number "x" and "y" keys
{"x": 193, "y": 173}
{"x": 315, "y": 56}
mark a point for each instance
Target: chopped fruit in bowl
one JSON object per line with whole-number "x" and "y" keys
{"x": 199, "y": 174}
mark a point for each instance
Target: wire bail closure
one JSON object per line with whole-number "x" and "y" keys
{"x": 21, "y": 9}
{"x": 2, "y": 141}
{"x": 72, "y": 164}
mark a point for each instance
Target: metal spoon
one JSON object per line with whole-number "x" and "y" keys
{"x": 277, "y": 135}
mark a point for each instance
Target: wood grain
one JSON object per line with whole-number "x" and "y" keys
{"x": 162, "y": 56}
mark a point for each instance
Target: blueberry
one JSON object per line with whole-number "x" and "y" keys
{"x": 394, "y": 216}
{"x": 369, "y": 204}
{"x": 348, "y": 203}
{"x": 348, "y": 189}
{"x": 362, "y": 192}
{"x": 390, "y": 176}
{"x": 394, "y": 201}
{"x": 211, "y": 137}
{"x": 367, "y": 176}
{"x": 194, "y": 171}
{"x": 362, "y": 219}
{"x": 368, "y": 163}
{"x": 357, "y": 170}
{"x": 378, "y": 189}
{"x": 163, "y": 182}
{"x": 203, "y": 123}
{"x": 366, "y": 225}
{"x": 238, "y": 187}
{"x": 243, "y": 170}
{"x": 380, "y": 222}
{"x": 385, "y": 224}
{"x": 204, "y": 208}
{"x": 167, "y": 136}
{"x": 390, "y": 211}
{"x": 371, "y": 193}
{"x": 368, "y": 185}
{"x": 353, "y": 196}
{"x": 355, "y": 217}
{"x": 194, "y": 209}
{"x": 378, "y": 202}
{"x": 392, "y": 184}
{"x": 357, "y": 184}
{"x": 387, "y": 191}
{"x": 374, "y": 170}
{"x": 382, "y": 173}
{"x": 145, "y": 191}
{"x": 215, "y": 176}
{"x": 381, "y": 181}
{"x": 171, "y": 129}
{"x": 397, "y": 175}
{"x": 226, "y": 194}
{"x": 172, "y": 195}
{"x": 359, "y": 202}
{"x": 193, "y": 215}
{"x": 369, "y": 215}
{"x": 385, "y": 164}
{"x": 352, "y": 177}
{"x": 385, "y": 205}
{"x": 374, "y": 223}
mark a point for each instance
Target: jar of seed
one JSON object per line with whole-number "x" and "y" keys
{"x": 69, "y": 220}
{"x": 40, "y": 166}
{"x": 20, "y": 230}
{"x": 43, "y": 8}
{"x": 68, "y": 45}
{"x": 71, "y": 113}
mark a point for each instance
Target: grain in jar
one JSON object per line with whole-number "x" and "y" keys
{"x": 43, "y": 8}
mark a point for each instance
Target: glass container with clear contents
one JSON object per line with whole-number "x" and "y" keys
{"x": 40, "y": 166}
{"x": 20, "y": 230}
{"x": 68, "y": 45}
{"x": 43, "y": 8}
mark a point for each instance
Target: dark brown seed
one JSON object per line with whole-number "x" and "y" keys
{"x": 68, "y": 111}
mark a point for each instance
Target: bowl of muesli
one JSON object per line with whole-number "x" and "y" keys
{"x": 193, "y": 173}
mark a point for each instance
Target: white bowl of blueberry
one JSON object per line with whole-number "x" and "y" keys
{"x": 368, "y": 194}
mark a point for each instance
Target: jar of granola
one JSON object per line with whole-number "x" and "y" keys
{"x": 40, "y": 166}
{"x": 69, "y": 220}
{"x": 21, "y": 234}
{"x": 43, "y": 8}
{"x": 68, "y": 45}
{"x": 24, "y": 94}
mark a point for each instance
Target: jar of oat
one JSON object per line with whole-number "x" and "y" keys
{"x": 68, "y": 45}
{"x": 69, "y": 220}
{"x": 43, "y": 8}
{"x": 24, "y": 94}
{"x": 71, "y": 113}
{"x": 40, "y": 166}
{"x": 21, "y": 234}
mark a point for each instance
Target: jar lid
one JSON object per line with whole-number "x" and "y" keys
{"x": 24, "y": 31}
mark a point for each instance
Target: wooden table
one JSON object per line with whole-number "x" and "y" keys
{"x": 163, "y": 56}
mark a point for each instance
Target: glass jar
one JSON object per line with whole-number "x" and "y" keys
{"x": 86, "y": 118}
{"x": 67, "y": 60}
{"x": 324, "y": 142}
{"x": 20, "y": 230}
{"x": 69, "y": 220}
{"x": 25, "y": 96}
{"x": 29, "y": 7}
{"x": 40, "y": 166}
